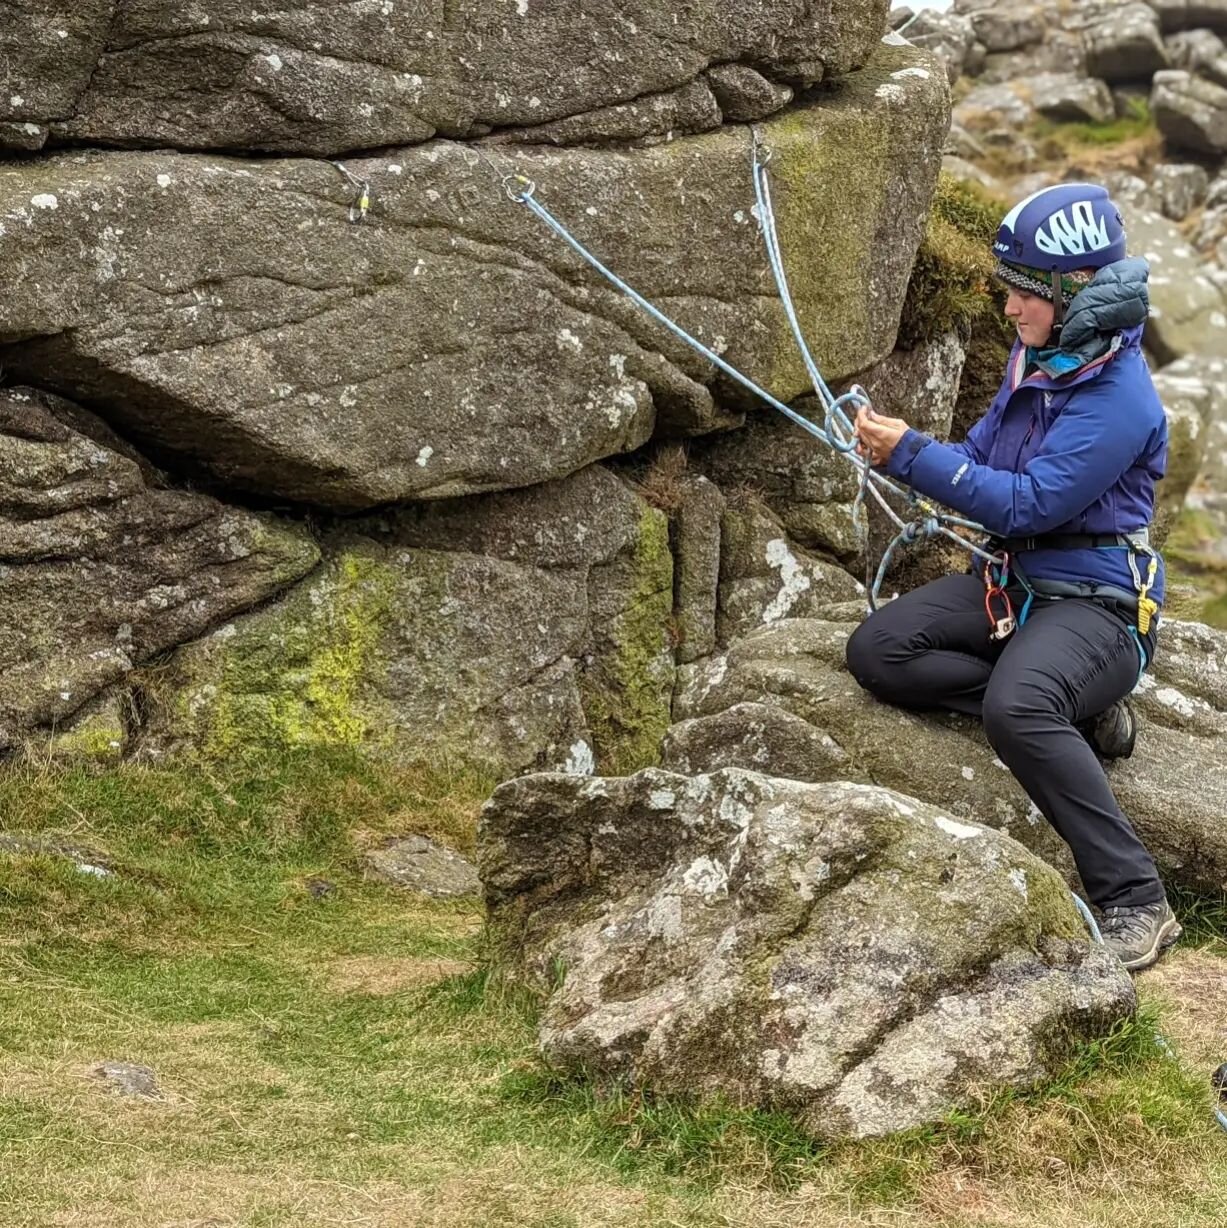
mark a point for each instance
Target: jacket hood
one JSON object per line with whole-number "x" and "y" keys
{"x": 1117, "y": 299}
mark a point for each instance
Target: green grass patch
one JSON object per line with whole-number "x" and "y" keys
{"x": 1073, "y": 137}
{"x": 1204, "y": 919}
{"x": 353, "y": 1057}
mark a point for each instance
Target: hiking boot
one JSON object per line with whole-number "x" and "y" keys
{"x": 1138, "y": 935}
{"x": 1113, "y": 733}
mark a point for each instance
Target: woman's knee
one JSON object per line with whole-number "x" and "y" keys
{"x": 1011, "y": 713}
{"x": 868, "y": 656}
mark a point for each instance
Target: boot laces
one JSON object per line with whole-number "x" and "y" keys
{"x": 1129, "y": 923}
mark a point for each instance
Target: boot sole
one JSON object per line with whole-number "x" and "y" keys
{"x": 1169, "y": 932}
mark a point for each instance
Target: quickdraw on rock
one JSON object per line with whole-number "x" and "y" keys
{"x": 362, "y": 201}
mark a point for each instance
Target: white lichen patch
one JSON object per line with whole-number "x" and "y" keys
{"x": 580, "y": 760}
{"x": 45, "y": 200}
{"x": 960, "y": 831}
{"x": 662, "y": 799}
{"x": 1018, "y": 879}
{"x": 793, "y": 580}
{"x": 1176, "y": 700}
{"x": 424, "y": 455}
{"x": 707, "y": 877}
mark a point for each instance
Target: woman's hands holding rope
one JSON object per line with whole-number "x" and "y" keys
{"x": 877, "y": 436}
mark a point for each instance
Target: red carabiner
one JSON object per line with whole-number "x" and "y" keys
{"x": 1001, "y": 627}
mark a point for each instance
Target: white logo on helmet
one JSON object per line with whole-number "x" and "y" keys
{"x": 1073, "y": 232}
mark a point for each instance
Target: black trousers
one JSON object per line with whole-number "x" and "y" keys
{"x": 1071, "y": 660}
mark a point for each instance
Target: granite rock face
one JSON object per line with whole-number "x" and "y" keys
{"x": 837, "y": 951}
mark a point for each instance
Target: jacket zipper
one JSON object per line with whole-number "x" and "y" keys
{"x": 1026, "y": 439}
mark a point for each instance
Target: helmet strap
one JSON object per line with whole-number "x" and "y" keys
{"x": 1058, "y": 305}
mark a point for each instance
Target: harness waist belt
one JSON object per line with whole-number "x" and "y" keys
{"x": 1088, "y": 591}
{"x": 1071, "y": 541}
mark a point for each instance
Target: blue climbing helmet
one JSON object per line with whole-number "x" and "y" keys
{"x": 1047, "y": 243}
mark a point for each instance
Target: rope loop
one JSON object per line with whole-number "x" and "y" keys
{"x": 527, "y": 188}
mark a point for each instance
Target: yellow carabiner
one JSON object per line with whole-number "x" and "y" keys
{"x": 1147, "y": 606}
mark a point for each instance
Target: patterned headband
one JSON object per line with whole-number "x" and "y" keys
{"x": 1038, "y": 282}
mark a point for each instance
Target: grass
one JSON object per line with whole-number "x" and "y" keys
{"x": 1073, "y": 138}
{"x": 349, "y": 1058}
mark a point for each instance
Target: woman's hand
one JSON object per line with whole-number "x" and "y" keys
{"x": 877, "y": 435}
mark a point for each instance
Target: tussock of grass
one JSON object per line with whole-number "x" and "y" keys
{"x": 950, "y": 286}
{"x": 1071, "y": 138}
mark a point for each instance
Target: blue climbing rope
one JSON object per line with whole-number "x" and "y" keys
{"x": 525, "y": 196}
{"x": 837, "y": 431}
{"x": 1089, "y": 918}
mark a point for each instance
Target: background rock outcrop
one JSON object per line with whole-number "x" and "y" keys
{"x": 321, "y": 78}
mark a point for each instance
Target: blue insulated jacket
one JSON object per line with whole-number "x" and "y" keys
{"x": 1076, "y": 454}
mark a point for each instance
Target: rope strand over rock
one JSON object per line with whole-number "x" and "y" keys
{"x": 837, "y": 432}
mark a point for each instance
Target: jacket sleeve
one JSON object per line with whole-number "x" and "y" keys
{"x": 1083, "y": 455}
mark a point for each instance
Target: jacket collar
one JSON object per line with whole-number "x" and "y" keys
{"x": 1126, "y": 339}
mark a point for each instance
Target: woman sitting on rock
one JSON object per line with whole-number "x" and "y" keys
{"x": 1062, "y": 471}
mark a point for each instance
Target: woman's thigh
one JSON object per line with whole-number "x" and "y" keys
{"x": 1072, "y": 657}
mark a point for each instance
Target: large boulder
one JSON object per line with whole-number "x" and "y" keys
{"x": 766, "y": 577}
{"x": 1001, "y": 29}
{"x": 323, "y": 78}
{"x": 1188, "y": 312}
{"x": 1191, "y": 112}
{"x": 520, "y": 630}
{"x": 1195, "y": 50}
{"x": 838, "y": 952}
{"x": 1123, "y": 43}
{"x": 103, "y": 568}
{"x": 988, "y": 107}
{"x": 781, "y": 701}
{"x": 1183, "y": 187}
{"x": 1061, "y": 52}
{"x": 228, "y": 313}
{"x": 949, "y": 36}
{"x": 1191, "y": 14}
{"x": 1063, "y": 97}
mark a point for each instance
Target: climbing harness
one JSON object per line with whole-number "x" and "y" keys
{"x": 837, "y": 430}
{"x": 1138, "y": 546}
{"x": 362, "y": 201}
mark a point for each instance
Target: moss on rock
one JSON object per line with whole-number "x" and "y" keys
{"x": 627, "y": 692}
{"x": 952, "y": 288}
{"x": 292, "y": 676}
